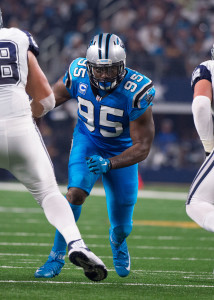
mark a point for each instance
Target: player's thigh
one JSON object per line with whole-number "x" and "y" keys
{"x": 121, "y": 187}
{"x": 78, "y": 173}
{"x": 30, "y": 162}
{"x": 202, "y": 188}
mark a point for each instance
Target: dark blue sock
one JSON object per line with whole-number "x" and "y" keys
{"x": 121, "y": 232}
{"x": 59, "y": 241}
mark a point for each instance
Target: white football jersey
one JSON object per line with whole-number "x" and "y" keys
{"x": 14, "y": 45}
{"x": 204, "y": 71}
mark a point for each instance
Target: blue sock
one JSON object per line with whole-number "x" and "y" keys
{"x": 59, "y": 241}
{"x": 121, "y": 232}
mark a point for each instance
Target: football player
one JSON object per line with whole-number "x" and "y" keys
{"x": 114, "y": 132}
{"x": 200, "y": 202}
{"x": 22, "y": 151}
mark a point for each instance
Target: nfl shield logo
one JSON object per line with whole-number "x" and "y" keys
{"x": 98, "y": 98}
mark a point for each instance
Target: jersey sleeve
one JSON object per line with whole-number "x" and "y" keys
{"x": 70, "y": 79}
{"x": 33, "y": 47}
{"x": 142, "y": 100}
{"x": 200, "y": 72}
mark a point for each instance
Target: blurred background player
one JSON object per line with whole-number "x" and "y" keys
{"x": 200, "y": 203}
{"x": 22, "y": 151}
{"x": 114, "y": 132}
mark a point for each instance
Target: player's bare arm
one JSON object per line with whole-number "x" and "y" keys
{"x": 142, "y": 132}
{"x": 203, "y": 88}
{"x": 38, "y": 88}
{"x": 60, "y": 92}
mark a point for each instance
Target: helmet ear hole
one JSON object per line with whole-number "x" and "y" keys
{"x": 106, "y": 53}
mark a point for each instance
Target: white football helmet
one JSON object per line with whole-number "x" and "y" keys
{"x": 106, "y": 61}
{"x": 1, "y": 20}
{"x": 212, "y": 52}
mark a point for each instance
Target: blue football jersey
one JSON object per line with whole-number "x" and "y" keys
{"x": 106, "y": 119}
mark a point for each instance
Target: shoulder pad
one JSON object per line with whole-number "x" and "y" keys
{"x": 200, "y": 72}
{"x": 77, "y": 69}
{"x": 33, "y": 47}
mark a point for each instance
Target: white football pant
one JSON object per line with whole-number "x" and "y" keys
{"x": 23, "y": 153}
{"x": 200, "y": 203}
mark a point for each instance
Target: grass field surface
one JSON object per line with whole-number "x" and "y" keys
{"x": 171, "y": 257}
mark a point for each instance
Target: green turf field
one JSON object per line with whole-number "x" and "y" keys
{"x": 171, "y": 257}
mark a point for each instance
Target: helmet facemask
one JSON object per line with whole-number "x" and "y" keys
{"x": 106, "y": 76}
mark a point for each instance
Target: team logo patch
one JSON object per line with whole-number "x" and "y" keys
{"x": 82, "y": 88}
{"x": 196, "y": 73}
{"x": 149, "y": 97}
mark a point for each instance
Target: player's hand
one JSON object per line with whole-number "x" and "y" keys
{"x": 98, "y": 164}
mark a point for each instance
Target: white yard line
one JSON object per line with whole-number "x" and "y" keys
{"x": 101, "y": 236}
{"x": 108, "y": 283}
{"x": 110, "y": 257}
{"x": 19, "y": 210}
{"x": 104, "y": 246}
{"x": 25, "y": 234}
{"x": 156, "y": 272}
{"x": 7, "y": 186}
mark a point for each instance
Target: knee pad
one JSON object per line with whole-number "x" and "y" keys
{"x": 121, "y": 232}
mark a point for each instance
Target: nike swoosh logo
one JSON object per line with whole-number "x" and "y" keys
{"x": 128, "y": 268}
